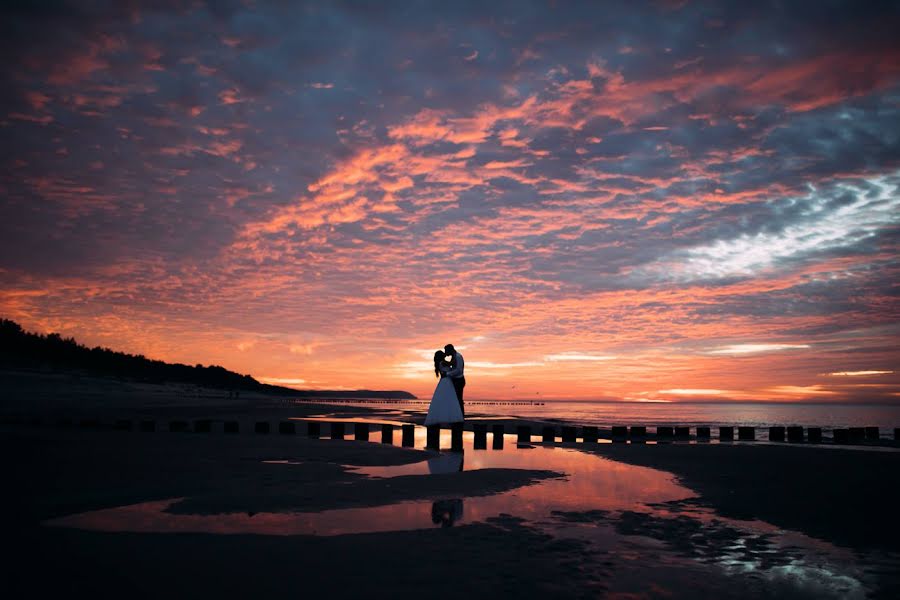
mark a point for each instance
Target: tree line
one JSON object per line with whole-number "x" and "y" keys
{"x": 24, "y": 349}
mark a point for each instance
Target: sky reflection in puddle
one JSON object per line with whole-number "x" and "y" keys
{"x": 590, "y": 482}
{"x": 598, "y": 500}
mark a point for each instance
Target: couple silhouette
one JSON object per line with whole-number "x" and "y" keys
{"x": 447, "y": 401}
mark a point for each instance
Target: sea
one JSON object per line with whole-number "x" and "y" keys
{"x": 606, "y": 414}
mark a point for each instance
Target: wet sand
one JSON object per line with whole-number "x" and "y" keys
{"x": 840, "y": 496}
{"x": 848, "y": 497}
{"x": 53, "y": 472}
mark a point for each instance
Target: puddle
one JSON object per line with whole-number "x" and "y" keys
{"x": 642, "y": 516}
{"x": 590, "y": 481}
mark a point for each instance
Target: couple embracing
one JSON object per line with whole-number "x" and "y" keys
{"x": 447, "y": 401}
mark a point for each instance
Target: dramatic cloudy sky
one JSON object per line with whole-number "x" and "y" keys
{"x": 625, "y": 200}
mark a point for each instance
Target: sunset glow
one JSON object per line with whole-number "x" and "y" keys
{"x": 669, "y": 201}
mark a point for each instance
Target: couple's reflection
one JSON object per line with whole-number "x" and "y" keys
{"x": 446, "y": 462}
{"x": 446, "y": 512}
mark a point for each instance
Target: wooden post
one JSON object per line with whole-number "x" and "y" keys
{"x": 456, "y": 437}
{"x": 664, "y": 433}
{"x": 872, "y": 434}
{"x": 589, "y": 434}
{"x": 361, "y": 432}
{"x": 313, "y": 429}
{"x": 682, "y": 433}
{"x": 857, "y": 435}
{"x": 287, "y": 428}
{"x": 523, "y": 434}
{"x": 387, "y": 433}
{"x": 747, "y": 434}
{"x": 202, "y": 426}
{"x": 232, "y": 427}
{"x": 433, "y": 437}
{"x": 497, "y": 442}
{"x": 841, "y": 436}
{"x": 337, "y": 431}
{"x": 480, "y": 436}
{"x": 897, "y": 434}
{"x": 548, "y": 434}
{"x": 795, "y": 433}
{"x": 726, "y": 434}
{"x": 638, "y": 434}
{"x": 776, "y": 434}
{"x": 568, "y": 434}
{"x": 703, "y": 433}
{"x": 408, "y": 433}
{"x": 148, "y": 426}
{"x": 619, "y": 433}
{"x": 261, "y": 427}
{"x": 814, "y": 435}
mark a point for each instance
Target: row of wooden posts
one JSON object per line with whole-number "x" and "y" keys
{"x": 548, "y": 433}
{"x": 337, "y": 430}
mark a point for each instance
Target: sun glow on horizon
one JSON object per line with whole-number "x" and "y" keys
{"x": 859, "y": 373}
{"x": 802, "y": 390}
{"x": 284, "y": 381}
{"x": 693, "y": 392}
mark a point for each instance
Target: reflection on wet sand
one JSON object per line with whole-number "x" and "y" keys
{"x": 590, "y": 481}
{"x": 446, "y": 462}
{"x": 606, "y": 504}
{"x": 446, "y": 512}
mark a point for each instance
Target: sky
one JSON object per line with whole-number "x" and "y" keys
{"x": 638, "y": 201}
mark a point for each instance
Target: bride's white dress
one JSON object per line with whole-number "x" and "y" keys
{"x": 444, "y": 406}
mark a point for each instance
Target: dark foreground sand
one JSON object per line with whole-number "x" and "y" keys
{"x": 841, "y": 496}
{"x": 847, "y": 497}
{"x": 51, "y": 473}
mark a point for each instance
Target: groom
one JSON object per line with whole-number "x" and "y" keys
{"x": 457, "y": 365}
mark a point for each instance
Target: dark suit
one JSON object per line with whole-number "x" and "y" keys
{"x": 458, "y": 384}
{"x": 457, "y": 376}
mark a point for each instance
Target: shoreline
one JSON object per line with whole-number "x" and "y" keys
{"x": 844, "y": 497}
{"x": 853, "y": 489}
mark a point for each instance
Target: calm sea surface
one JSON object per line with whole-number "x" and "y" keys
{"x": 605, "y": 414}
{"x": 664, "y": 413}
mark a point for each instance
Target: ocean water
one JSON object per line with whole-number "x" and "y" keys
{"x": 606, "y": 414}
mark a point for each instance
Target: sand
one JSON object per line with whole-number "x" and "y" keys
{"x": 54, "y": 472}
{"x": 845, "y": 497}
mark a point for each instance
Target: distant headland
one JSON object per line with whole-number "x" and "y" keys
{"x": 20, "y": 349}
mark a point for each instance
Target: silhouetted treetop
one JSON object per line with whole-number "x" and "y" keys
{"x": 23, "y": 349}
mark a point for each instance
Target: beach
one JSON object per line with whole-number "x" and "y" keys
{"x": 649, "y": 252}
{"x": 160, "y": 514}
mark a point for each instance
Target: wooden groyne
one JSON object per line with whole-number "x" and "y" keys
{"x": 525, "y": 434}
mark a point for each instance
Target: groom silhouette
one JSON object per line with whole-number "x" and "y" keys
{"x": 457, "y": 366}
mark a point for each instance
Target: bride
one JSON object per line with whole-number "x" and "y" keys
{"x": 444, "y": 406}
